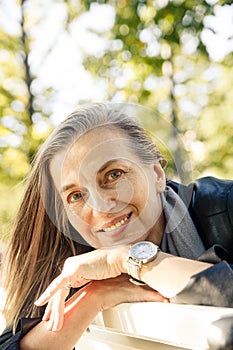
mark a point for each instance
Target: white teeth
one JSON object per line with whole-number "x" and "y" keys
{"x": 116, "y": 225}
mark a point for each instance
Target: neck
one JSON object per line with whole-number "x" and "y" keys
{"x": 156, "y": 233}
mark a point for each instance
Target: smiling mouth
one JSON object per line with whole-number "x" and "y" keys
{"x": 116, "y": 225}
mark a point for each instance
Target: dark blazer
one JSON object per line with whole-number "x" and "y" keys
{"x": 210, "y": 203}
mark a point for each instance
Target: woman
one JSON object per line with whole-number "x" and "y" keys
{"x": 97, "y": 187}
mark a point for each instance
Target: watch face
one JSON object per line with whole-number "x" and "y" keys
{"x": 144, "y": 250}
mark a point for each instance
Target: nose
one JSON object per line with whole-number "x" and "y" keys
{"x": 100, "y": 202}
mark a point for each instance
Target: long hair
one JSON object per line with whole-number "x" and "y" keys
{"x": 42, "y": 236}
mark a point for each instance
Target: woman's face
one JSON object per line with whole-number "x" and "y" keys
{"x": 110, "y": 197}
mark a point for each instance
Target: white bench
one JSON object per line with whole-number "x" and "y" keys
{"x": 148, "y": 326}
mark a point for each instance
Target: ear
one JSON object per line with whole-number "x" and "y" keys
{"x": 160, "y": 181}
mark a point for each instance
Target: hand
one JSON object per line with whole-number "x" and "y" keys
{"x": 119, "y": 290}
{"x": 107, "y": 293}
{"x": 78, "y": 270}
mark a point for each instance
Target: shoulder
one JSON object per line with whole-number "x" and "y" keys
{"x": 217, "y": 194}
{"x": 208, "y": 194}
{"x": 210, "y": 203}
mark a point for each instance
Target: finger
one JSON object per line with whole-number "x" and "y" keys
{"x": 144, "y": 293}
{"x": 159, "y": 298}
{"x": 54, "y": 287}
{"x": 47, "y": 312}
{"x": 49, "y": 324}
{"x": 56, "y": 316}
{"x": 149, "y": 294}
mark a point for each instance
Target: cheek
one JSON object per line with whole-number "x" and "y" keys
{"x": 141, "y": 193}
{"x": 125, "y": 191}
{"x": 77, "y": 221}
{"x": 82, "y": 228}
{"x": 133, "y": 189}
{"x": 75, "y": 213}
{"x": 148, "y": 203}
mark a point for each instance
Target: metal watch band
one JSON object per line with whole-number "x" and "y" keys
{"x": 134, "y": 268}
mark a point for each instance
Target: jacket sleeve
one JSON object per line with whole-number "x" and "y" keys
{"x": 10, "y": 340}
{"x": 212, "y": 287}
{"x": 211, "y": 210}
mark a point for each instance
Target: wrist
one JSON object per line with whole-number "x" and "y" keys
{"x": 124, "y": 254}
{"x": 140, "y": 254}
{"x": 117, "y": 260}
{"x": 121, "y": 255}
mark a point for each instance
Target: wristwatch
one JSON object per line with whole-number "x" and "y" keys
{"x": 140, "y": 253}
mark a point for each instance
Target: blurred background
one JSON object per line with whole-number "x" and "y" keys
{"x": 174, "y": 57}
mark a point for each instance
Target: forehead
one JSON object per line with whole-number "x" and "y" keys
{"x": 92, "y": 150}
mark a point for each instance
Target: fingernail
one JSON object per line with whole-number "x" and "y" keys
{"x": 54, "y": 329}
{"x": 50, "y": 327}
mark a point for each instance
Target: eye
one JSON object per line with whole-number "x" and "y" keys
{"x": 113, "y": 175}
{"x": 74, "y": 197}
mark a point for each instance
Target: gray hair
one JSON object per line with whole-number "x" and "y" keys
{"x": 90, "y": 116}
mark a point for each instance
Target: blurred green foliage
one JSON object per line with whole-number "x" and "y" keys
{"x": 155, "y": 57}
{"x": 10, "y": 200}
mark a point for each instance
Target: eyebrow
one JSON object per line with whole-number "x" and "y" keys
{"x": 67, "y": 187}
{"x": 109, "y": 162}
{"x": 103, "y": 167}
